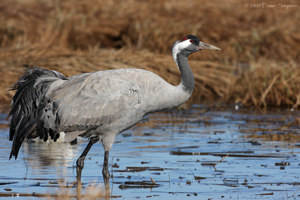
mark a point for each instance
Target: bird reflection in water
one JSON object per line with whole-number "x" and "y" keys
{"x": 39, "y": 154}
{"x": 41, "y": 157}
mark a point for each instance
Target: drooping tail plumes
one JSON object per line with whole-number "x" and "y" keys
{"x": 28, "y": 103}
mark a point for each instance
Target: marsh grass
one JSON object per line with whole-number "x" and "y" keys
{"x": 258, "y": 64}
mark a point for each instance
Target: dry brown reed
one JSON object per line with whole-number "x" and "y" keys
{"x": 266, "y": 83}
{"x": 92, "y": 191}
{"x": 259, "y": 64}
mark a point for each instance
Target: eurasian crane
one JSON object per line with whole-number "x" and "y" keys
{"x": 97, "y": 105}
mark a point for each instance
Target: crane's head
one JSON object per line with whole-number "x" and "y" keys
{"x": 190, "y": 44}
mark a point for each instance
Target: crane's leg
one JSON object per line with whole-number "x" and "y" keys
{"x": 105, "y": 171}
{"x": 80, "y": 161}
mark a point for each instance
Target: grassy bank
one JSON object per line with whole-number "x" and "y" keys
{"x": 258, "y": 65}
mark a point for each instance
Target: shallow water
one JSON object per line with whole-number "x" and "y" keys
{"x": 179, "y": 150}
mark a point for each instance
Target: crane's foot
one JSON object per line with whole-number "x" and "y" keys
{"x": 79, "y": 167}
{"x": 80, "y": 164}
{"x": 106, "y": 177}
{"x": 105, "y": 174}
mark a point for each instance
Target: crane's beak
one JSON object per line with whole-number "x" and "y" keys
{"x": 203, "y": 45}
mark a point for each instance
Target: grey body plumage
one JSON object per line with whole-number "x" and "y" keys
{"x": 97, "y": 105}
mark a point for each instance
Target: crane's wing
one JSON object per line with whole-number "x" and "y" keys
{"x": 31, "y": 89}
{"x": 90, "y": 100}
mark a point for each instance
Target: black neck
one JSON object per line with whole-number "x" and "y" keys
{"x": 187, "y": 77}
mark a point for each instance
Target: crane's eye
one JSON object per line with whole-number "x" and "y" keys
{"x": 191, "y": 41}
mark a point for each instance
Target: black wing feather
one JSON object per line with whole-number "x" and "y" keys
{"x": 28, "y": 104}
